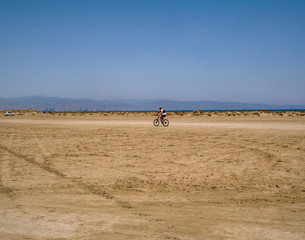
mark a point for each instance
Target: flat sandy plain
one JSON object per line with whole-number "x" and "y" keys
{"x": 116, "y": 176}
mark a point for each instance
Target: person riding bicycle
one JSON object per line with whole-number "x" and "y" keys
{"x": 162, "y": 114}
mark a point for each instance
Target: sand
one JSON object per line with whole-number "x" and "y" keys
{"x": 116, "y": 176}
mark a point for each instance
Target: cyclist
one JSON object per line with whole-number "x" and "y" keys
{"x": 162, "y": 114}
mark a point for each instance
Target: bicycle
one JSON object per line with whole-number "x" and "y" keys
{"x": 157, "y": 121}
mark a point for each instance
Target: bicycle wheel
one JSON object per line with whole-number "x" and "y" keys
{"x": 156, "y": 122}
{"x": 165, "y": 122}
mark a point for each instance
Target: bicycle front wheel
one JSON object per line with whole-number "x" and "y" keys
{"x": 165, "y": 122}
{"x": 156, "y": 122}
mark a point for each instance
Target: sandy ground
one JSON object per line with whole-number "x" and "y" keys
{"x": 119, "y": 177}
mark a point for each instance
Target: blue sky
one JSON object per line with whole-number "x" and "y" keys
{"x": 222, "y": 50}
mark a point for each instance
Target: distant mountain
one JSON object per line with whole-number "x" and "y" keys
{"x": 40, "y": 103}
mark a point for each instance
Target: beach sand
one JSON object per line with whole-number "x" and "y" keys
{"x": 116, "y": 176}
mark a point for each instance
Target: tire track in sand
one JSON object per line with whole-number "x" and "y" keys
{"x": 45, "y": 152}
{"x": 4, "y": 164}
{"x": 87, "y": 186}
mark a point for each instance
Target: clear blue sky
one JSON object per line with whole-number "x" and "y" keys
{"x": 222, "y": 50}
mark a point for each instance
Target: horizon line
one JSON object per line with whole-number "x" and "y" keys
{"x": 152, "y": 99}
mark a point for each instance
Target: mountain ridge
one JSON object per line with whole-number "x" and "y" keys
{"x": 42, "y": 103}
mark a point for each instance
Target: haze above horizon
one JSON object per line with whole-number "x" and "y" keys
{"x": 227, "y": 51}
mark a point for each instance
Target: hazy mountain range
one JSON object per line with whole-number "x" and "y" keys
{"x": 40, "y": 103}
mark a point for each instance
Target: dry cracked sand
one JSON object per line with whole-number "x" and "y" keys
{"x": 111, "y": 176}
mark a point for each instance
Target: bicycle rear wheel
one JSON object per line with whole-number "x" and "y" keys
{"x": 165, "y": 122}
{"x": 156, "y": 122}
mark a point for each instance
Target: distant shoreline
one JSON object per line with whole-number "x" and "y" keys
{"x": 243, "y": 110}
{"x": 181, "y": 111}
{"x": 53, "y": 104}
